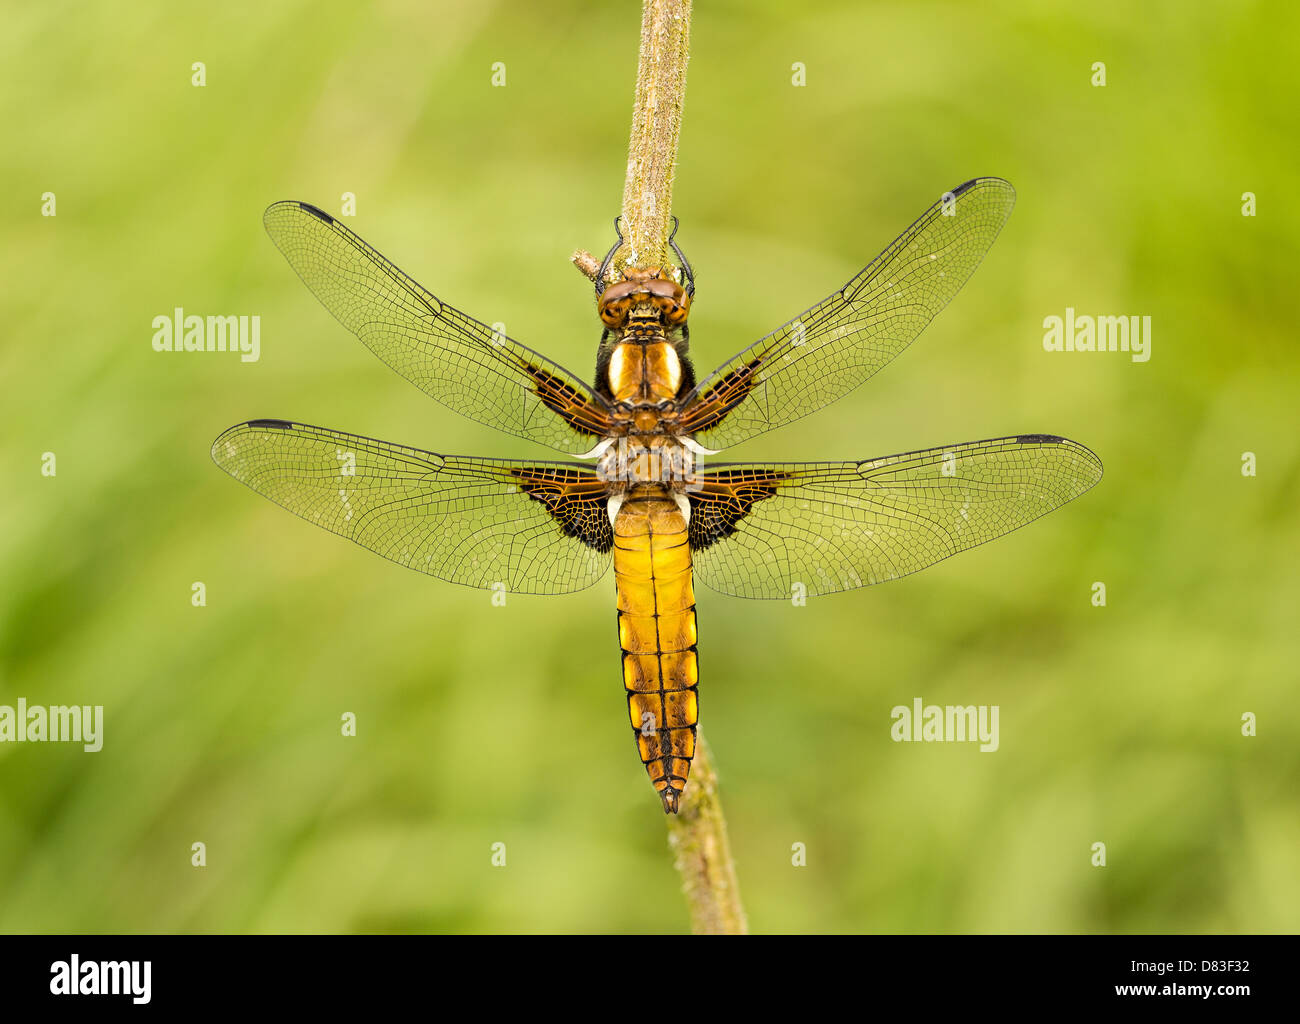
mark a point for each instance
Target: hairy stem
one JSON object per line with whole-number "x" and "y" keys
{"x": 652, "y": 151}
{"x": 656, "y": 127}
{"x": 697, "y": 835}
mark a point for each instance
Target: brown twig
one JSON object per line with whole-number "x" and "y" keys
{"x": 652, "y": 150}
{"x": 586, "y": 262}
{"x": 697, "y": 834}
{"x": 656, "y": 127}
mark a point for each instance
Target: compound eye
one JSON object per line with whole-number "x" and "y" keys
{"x": 613, "y": 313}
{"x": 676, "y": 313}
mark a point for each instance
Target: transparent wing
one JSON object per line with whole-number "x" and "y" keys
{"x": 757, "y": 530}
{"x": 453, "y": 358}
{"x": 829, "y": 350}
{"x": 537, "y": 527}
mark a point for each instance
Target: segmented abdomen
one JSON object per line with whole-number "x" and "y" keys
{"x": 656, "y": 630}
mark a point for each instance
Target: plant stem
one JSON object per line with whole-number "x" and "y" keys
{"x": 697, "y": 835}
{"x": 652, "y": 151}
{"x": 656, "y": 126}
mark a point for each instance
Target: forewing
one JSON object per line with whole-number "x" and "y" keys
{"x": 535, "y": 527}
{"x": 452, "y": 357}
{"x": 826, "y": 352}
{"x": 757, "y": 530}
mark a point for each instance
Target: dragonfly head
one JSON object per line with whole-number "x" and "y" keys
{"x": 645, "y": 293}
{"x": 650, "y": 295}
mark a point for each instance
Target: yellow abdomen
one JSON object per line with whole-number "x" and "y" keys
{"x": 656, "y": 630}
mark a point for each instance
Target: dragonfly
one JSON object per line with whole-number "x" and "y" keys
{"x": 643, "y": 494}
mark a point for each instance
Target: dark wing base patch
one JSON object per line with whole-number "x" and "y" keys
{"x": 710, "y": 408}
{"x": 568, "y": 402}
{"x": 724, "y": 499}
{"x": 577, "y": 500}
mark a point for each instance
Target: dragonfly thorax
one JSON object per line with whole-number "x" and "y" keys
{"x": 654, "y": 459}
{"x": 644, "y": 371}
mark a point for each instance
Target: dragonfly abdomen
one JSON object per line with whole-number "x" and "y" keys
{"x": 656, "y": 631}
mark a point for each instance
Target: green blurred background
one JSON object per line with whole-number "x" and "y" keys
{"x": 1118, "y": 724}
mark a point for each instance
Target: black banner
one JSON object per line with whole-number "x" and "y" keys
{"x": 921, "y": 974}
